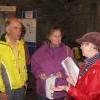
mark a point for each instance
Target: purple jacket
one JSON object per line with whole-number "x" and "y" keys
{"x": 48, "y": 60}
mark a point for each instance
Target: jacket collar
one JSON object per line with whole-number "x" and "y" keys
{"x": 89, "y": 63}
{"x": 3, "y": 39}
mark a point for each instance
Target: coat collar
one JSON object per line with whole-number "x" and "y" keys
{"x": 3, "y": 37}
{"x": 89, "y": 63}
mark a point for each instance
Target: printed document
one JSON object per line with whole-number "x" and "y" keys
{"x": 71, "y": 69}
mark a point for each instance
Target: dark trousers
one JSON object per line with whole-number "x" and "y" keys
{"x": 17, "y": 94}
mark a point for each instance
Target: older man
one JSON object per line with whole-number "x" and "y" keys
{"x": 13, "y": 74}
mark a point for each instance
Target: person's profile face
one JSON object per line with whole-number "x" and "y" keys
{"x": 86, "y": 48}
{"x": 14, "y": 30}
{"x": 56, "y": 37}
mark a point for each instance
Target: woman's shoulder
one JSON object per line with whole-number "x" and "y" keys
{"x": 41, "y": 49}
{"x": 96, "y": 65}
{"x": 97, "y": 62}
{"x": 66, "y": 46}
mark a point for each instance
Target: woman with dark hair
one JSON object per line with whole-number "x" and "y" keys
{"x": 46, "y": 61}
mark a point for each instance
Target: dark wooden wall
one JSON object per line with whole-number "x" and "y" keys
{"x": 76, "y": 17}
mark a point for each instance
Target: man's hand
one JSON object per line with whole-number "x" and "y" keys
{"x": 25, "y": 85}
{"x": 3, "y": 96}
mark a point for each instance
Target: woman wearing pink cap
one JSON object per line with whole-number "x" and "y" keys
{"x": 88, "y": 85}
